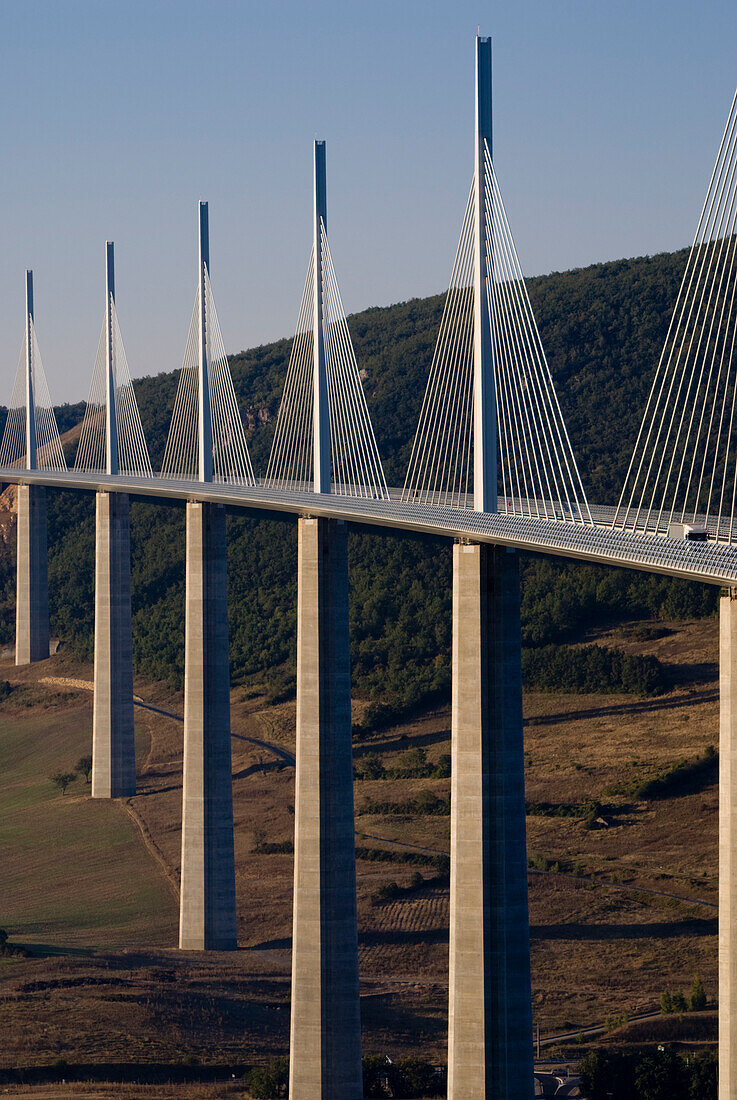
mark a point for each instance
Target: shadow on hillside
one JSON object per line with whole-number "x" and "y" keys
{"x": 644, "y": 706}
{"x": 656, "y": 930}
{"x": 284, "y": 944}
{"x": 52, "y": 950}
{"x": 703, "y": 672}
{"x": 402, "y": 936}
{"x": 402, "y": 742}
{"x": 398, "y": 1019}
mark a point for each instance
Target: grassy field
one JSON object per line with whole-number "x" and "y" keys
{"x": 622, "y": 906}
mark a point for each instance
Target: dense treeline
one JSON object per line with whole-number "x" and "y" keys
{"x": 591, "y": 668}
{"x": 660, "y": 1074}
{"x": 602, "y": 327}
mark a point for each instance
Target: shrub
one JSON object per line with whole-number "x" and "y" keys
{"x": 62, "y": 780}
{"x": 442, "y": 768}
{"x": 269, "y": 1082}
{"x": 84, "y": 765}
{"x": 680, "y": 778}
{"x": 274, "y": 847}
{"x": 697, "y": 996}
{"x": 406, "y": 1078}
{"x": 418, "y": 859}
{"x": 369, "y": 767}
{"x": 425, "y": 803}
{"x": 388, "y": 891}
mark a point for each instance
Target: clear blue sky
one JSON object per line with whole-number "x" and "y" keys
{"x": 118, "y": 116}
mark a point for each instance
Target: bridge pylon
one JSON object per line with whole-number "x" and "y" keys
{"x": 489, "y": 1014}
{"x": 325, "y": 1040}
{"x": 113, "y": 738}
{"x": 207, "y": 914}
{"x": 32, "y": 581}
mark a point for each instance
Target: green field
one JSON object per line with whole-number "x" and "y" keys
{"x": 75, "y": 871}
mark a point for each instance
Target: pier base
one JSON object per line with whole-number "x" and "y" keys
{"x": 113, "y": 742}
{"x": 326, "y": 1026}
{"x": 207, "y": 907}
{"x": 728, "y": 845}
{"x": 490, "y": 1051}
{"x": 32, "y": 593}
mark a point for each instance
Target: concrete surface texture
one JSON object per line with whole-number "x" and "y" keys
{"x": 325, "y": 1027}
{"x": 490, "y": 1049}
{"x": 32, "y": 592}
{"x": 113, "y": 742}
{"x": 207, "y": 905}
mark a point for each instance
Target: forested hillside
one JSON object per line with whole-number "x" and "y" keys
{"x": 602, "y": 327}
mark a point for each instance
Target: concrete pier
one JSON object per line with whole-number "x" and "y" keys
{"x": 32, "y": 592}
{"x": 207, "y": 907}
{"x": 326, "y": 1027}
{"x": 113, "y": 744}
{"x": 490, "y": 1051}
{"x": 728, "y": 844}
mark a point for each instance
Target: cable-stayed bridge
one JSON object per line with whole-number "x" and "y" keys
{"x": 491, "y": 467}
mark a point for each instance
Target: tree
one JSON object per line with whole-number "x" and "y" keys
{"x": 680, "y": 1004}
{"x": 697, "y": 996}
{"x": 666, "y": 1003}
{"x": 661, "y": 1076}
{"x": 3, "y": 940}
{"x": 608, "y": 1075}
{"x": 63, "y": 779}
{"x": 84, "y": 765}
{"x": 269, "y": 1082}
{"x": 417, "y": 1078}
{"x": 370, "y": 767}
{"x": 703, "y": 1074}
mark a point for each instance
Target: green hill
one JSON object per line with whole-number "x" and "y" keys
{"x": 602, "y": 327}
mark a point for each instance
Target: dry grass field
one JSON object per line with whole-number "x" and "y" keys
{"x": 619, "y": 911}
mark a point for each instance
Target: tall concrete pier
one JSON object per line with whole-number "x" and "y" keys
{"x": 113, "y": 741}
{"x": 32, "y": 592}
{"x": 326, "y": 1026}
{"x": 207, "y": 908}
{"x": 113, "y": 745}
{"x": 490, "y": 1017}
{"x": 727, "y": 844}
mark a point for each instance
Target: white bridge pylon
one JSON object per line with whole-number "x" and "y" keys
{"x": 206, "y": 439}
{"x": 491, "y": 434}
{"x": 324, "y": 438}
{"x": 112, "y": 439}
{"x": 31, "y": 436}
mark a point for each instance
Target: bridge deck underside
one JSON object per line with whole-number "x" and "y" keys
{"x": 710, "y": 562}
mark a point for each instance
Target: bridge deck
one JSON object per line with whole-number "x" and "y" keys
{"x": 709, "y": 562}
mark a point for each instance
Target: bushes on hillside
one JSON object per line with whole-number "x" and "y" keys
{"x": 405, "y": 1079}
{"x": 658, "y": 1075}
{"x": 591, "y": 669}
{"x": 682, "y": 777}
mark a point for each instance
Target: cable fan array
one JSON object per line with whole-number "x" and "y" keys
{"x": 49, "y": 452}
{"x": 684, "y": 463}
{"x": 230, "y": 459}
{"x": 537, "y": 471}
{"x": 356, "y": 468}
{"x": 132, "y": 451}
